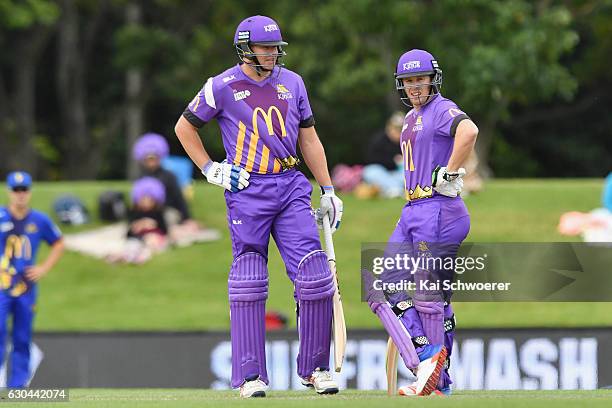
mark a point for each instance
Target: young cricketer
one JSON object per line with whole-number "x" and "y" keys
{"x": 21, "y": 232}
{"x": 437, "y": 138}
{"x": 263, "y": 112}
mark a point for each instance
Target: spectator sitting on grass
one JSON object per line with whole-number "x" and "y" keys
{"x": 147, "y": 231}
{"x": 384, "y": 157}
{"x": 149, "y": 150}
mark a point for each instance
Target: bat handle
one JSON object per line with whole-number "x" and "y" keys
{"x": 329, "y": 242}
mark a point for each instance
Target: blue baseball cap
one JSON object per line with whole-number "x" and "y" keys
{"x": 19, "y": 179}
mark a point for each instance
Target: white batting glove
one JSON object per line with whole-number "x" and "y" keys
{"x": 330, "y": 206}
{"x": 226, "y": 175}
{"x": 447, "y": 183}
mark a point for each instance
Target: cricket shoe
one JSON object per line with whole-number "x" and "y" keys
{"x": 408, "y": 391}
{"x": 428, "y": 372}
{"x": 321, "y": 381}
{"x": 253, "y": 388}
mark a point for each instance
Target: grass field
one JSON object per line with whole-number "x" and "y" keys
{"x": 96, "y": 398}
{"x": 185, "y": 289}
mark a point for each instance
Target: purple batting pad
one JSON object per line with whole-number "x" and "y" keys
{"x": 398, "y": 333}
{"x": 432, "y": 319}
{"x": 412, "y": 322}
{"x": 248, "y": 291}
{"x": 314, "y": 287}
{"x": 449, "y": 337}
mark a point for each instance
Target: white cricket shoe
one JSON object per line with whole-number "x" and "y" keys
{"x": 408, "y": 391}
{"x": 428, "y": 372}
{"x": 321, "y": 381}
{"x": 253, "y": 389}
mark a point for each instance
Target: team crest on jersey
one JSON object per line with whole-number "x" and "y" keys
{"x": 283, "y": 93}
{"x": 31, "y": 228}
{"x": 423, "y": 247}
{"x": 240, "y": 95}
{"x": 418, "y": 125}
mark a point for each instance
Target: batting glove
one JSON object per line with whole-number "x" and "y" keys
{"x": 330, "y": 206}
{"x": 447, "y": 183}
{"x": 226, "y": 175}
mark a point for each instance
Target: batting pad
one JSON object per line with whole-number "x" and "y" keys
{"x": 397, "y": 331}
{"x": 432, "y": 319}
{"x": 314, "y": 286}
{"x": 248, "y": 291}
{"x": 449, "y": 337}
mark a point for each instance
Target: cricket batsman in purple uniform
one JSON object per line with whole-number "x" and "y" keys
{"x": 263, "y": 112}
{"x": 437, "y": 138}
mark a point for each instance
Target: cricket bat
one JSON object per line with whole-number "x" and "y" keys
{"x": 391, "y": 368}
{"x": 339, "y": 325}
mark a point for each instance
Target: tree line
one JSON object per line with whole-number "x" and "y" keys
{"x": 81, "y": 79}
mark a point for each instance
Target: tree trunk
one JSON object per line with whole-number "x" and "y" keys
{"x": 134, "y": 112}
{"x": 72, "y": 95}
{"x": 21, "y": 105}
{"x": 486, "y": 134}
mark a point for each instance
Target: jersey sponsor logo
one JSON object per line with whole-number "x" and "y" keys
{"x": 240, "y": 95}
{"x": 418, "y": 125}
{"x": 6, "y": 226}
{"x": 283, "y": 93}
{"x": 270, "y": 27}
{"x": 228, "y": 78}
{"x": 267, "y": 117}
{"x": 454, "y": 112}
{"x": 31, "y": 228}
{"x": 18, "y": 246}
{"x": 412, "y": 64}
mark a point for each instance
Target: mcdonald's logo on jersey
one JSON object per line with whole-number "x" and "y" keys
{"x": 18, "y": 246}
{"x": 267, "y": 117}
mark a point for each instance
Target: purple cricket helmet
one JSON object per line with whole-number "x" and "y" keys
{"x": 258, "y": 30}
{"x": 150, "y": 144}
{"x": 417, "y": 63}
{"x": 151, "y": 187}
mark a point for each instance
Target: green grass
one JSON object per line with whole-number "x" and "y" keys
{"x": 186, "y": 289}
{"x": 95, "y": 398}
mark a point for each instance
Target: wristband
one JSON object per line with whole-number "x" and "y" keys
{"x": 327, "y": 189}
{"x": 207, "y": 166}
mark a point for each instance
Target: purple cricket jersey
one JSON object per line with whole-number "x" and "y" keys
{"x": 259, "y": 121}
{"x": 427, "y": 141}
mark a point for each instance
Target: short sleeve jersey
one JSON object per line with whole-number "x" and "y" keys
{"x": 259, "y": 121}
{"x": 20, "y": 241}
{"x": 427, "y": 141}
